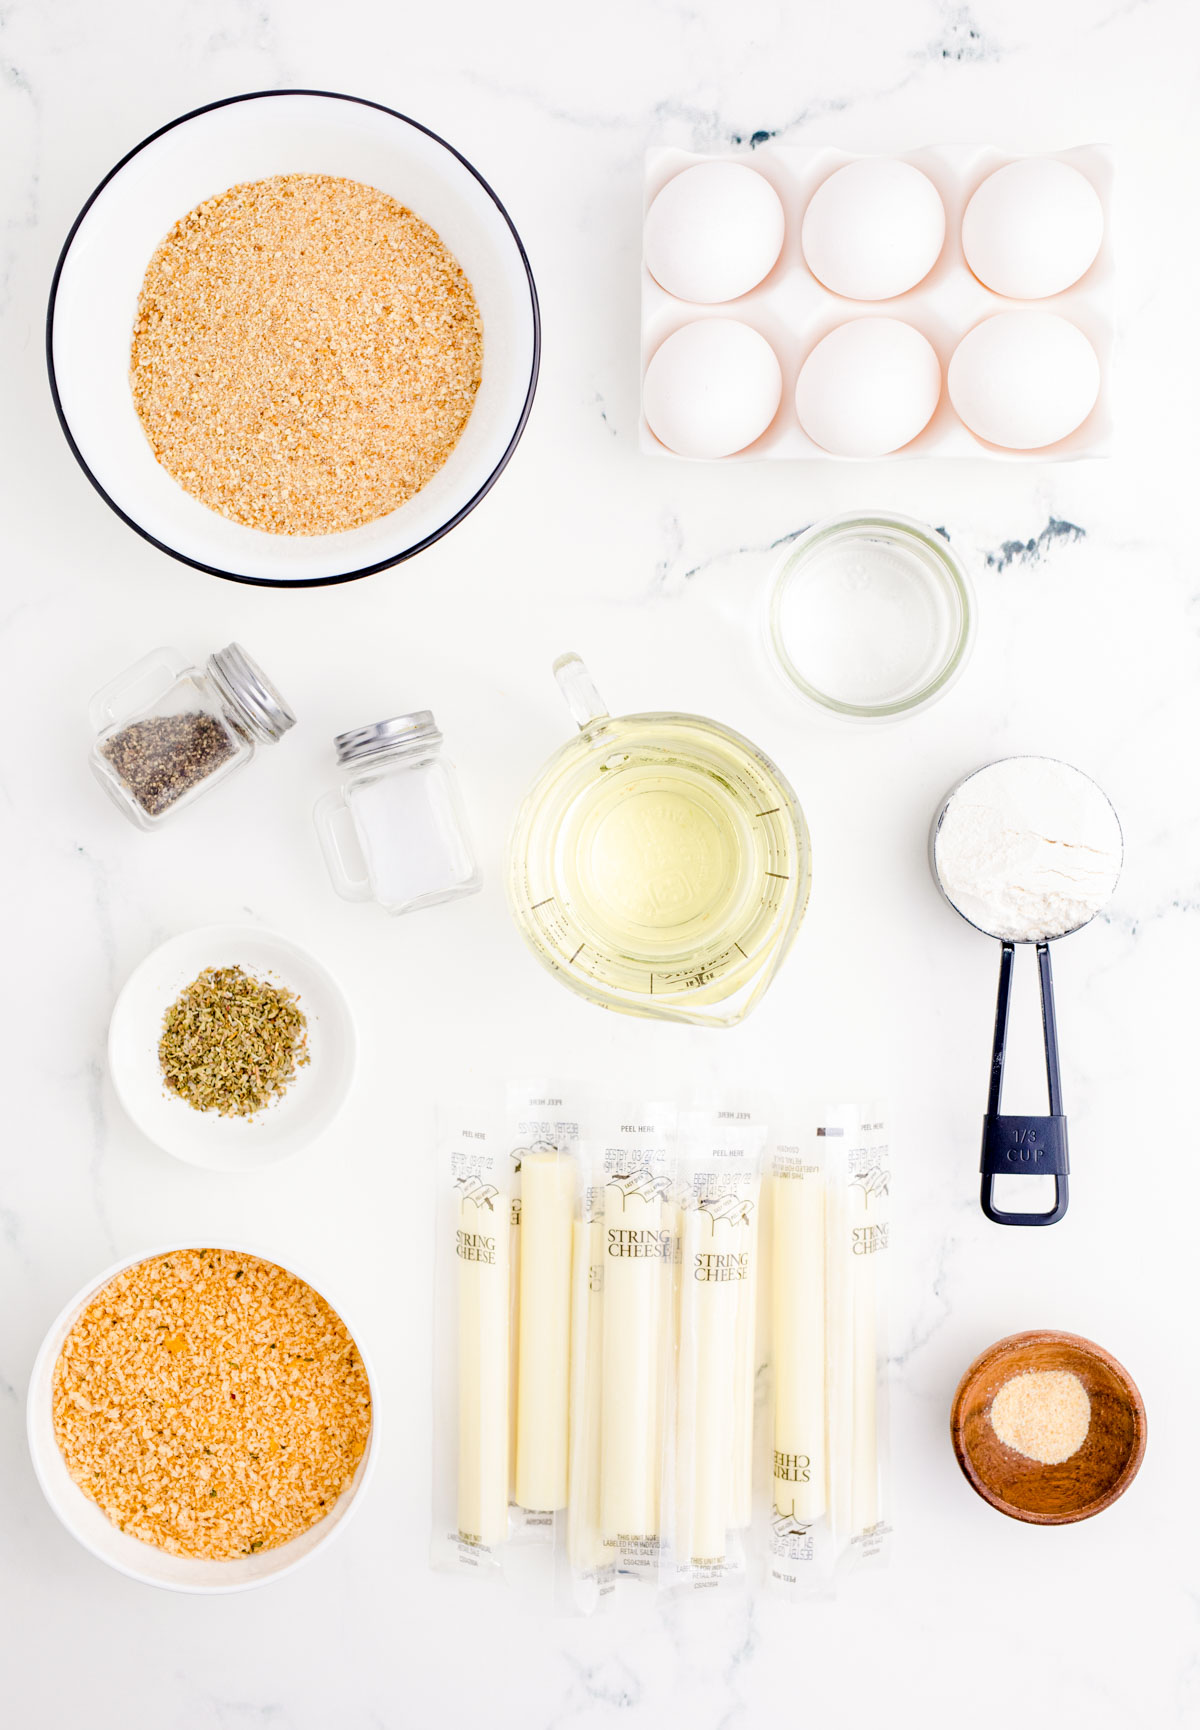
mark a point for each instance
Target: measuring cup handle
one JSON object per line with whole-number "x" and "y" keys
{"x": 1024, "y": 1146}
{"x": 583, "y": 699}
{"x": 145, "y": 682}
{"x": 1000, "y": 1216}
{"x": 332, "y": 818}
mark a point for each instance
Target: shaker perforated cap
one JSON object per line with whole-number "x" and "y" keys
{"x": 246, "y": 687}
{"x": 401, "y": 733}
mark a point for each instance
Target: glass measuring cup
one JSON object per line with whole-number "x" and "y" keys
{"x": 660, "y": 864}
{"x": 1029, "y": 844}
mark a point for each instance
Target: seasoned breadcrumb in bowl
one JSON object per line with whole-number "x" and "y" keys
{"x": 293, "y": 338}
{"x": 201, "y": 1418}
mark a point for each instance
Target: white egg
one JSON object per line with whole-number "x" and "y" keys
{"x": 1024, "y": 379}
{"x": 713, "y": 232}
{"x": 868, "y": 387}
{"x": 711, "y": 388}
{"x": 1033, "y": 228}
{"x": 874, "y": 229}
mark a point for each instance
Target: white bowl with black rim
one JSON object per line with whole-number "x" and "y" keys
{"x": 90, "y": 1525}
{"x": 311, "y": 1100}
{"x": 94, "y": 296}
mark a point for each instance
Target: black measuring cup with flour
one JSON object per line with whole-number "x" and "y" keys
{"x": 1027, "y": 850}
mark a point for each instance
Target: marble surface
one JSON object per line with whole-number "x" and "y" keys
{"x": 1088, "y": 649}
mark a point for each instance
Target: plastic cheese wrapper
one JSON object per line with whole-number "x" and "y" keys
{"x": 631, "y": 1211}
{"x": 710, "y": 1453}
{"x": 591, "y": 1558}
{"x": 473, "y": 1345}
{"x": 613, "y": 1282}
{"x": 542, "y": 1128}
{"x": 507, "y": 1206}
{"x": 829, "y": 1199}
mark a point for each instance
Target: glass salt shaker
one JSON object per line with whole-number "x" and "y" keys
{"x": 167, "y": 731}
{"x": 395, "y": 831}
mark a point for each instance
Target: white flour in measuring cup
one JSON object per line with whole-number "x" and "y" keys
{"x": 1027, "y": 849}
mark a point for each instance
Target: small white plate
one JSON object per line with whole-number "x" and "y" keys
{"x": 311, "y": 1102}
{"x": 128, "y": 1555}
{"x": 93, "y": 300}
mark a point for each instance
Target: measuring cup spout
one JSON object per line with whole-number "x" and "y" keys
{"x": 583, "y": 699}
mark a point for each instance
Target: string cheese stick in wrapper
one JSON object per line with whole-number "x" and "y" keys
{"x": 548, "y": 1184}
{"x": 840, "y": 1338}
{"x": 482, "y": 1251}
{"x": 741, "y": 1510}
{"x": 830, "y": 1198}
{"x": 858, "y": 1236}
{"x": 864, "y": 1463}
{"x": 588, "y": 1553}
{"x": 514, "y": 1316}
{"x": 719, "y": 1166}
{"x": 542, "y": 1125}
{"x": 637, "y": 1253}
{"x": 630, "y": 1202}
{"x": 868, "y": 1211}
{"x": 798, "y": 1307}
{"x": 713, "y": 1266}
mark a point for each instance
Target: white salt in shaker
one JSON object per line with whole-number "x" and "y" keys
{"x": 395, "y": 832}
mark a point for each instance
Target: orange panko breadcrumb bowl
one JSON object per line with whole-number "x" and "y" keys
{"x": 201, "y": 1418}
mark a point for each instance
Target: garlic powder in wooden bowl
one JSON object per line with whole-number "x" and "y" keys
{"x": 211, "y": 1403}
{"x": 306, "y": 353}
{"x": 1043, "y": 1414}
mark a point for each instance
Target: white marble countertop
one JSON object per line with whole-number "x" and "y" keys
{"x": 1088, "y": 649}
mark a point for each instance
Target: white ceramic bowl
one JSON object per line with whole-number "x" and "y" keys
{"x": 95, "y": 289}
{"x": 92, "y": 1527}
{"x": 311, "y": 1102}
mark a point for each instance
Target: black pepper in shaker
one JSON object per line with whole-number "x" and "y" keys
{"x": 167, "y": 730}
{"x": 164, "y": 757}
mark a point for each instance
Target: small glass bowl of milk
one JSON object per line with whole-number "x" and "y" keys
{"x": 870, "y": 617}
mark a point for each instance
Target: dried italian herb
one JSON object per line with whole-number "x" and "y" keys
{"x": 232, "y": 1043}
{"x": 162, "y": 758}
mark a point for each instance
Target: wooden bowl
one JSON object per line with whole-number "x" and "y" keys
{"x": 1092, "y": 1479}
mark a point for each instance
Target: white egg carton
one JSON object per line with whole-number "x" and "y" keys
{"x": 793, "y": 311}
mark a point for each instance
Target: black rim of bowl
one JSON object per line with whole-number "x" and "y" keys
{"x": 382, "y": 564}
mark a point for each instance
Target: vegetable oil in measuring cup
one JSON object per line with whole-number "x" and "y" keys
{"x": 664, "y": 861}
{"x": 660, "y": 864}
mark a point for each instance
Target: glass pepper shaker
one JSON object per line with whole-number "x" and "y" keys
{"x": 167, "y": 731}
{"x": 395, "y": 831}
